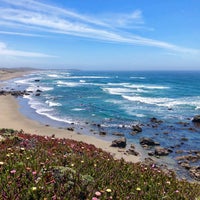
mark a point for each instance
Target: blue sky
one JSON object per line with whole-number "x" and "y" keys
{"x": 100, "y": 34}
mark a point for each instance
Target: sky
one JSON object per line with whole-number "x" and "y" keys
{"x": 100, "y": 34}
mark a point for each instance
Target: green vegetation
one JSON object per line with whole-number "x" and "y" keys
{"x": 37, "y": 167}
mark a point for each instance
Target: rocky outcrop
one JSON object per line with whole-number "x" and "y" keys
{"x": 195, "y": 173}
{"x": 155, "y": 120}
{"x": 132, "y": 150}
{"x": 148, "y": 141}
{"x": 136, "y": 128}
{"x": 160, "y": 151}
{"x": 121, "y": 143}
{"x": 196, "y": 119}
{"x": 13, "y": 93}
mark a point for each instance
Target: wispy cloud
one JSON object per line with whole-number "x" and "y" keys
{"x": 21, "y": 34}
{"x": 5, "y": 51}
{"x": 51, "y": 19}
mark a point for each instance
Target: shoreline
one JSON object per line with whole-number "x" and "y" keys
{"x": 12, "y": 118}
{"x": 12, "y": 113}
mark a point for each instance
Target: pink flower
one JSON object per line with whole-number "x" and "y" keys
{"x": 13, "y": 171}
{"x": 98, "y": 194}
{"x": 34, "y": 172}
{"x": 94, "y": 198}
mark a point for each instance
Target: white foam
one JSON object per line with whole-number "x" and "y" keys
{"x": 68, "y": 84}
{"x": 146, "y": 100}
{"x": 53, "y": 75}
{"x": 77, "y": 109}
{"x": 25, "y": 81}
{"x": 82, "y": 81}
{"x": 138, "y": 86}
{"x": 138, "y": 77}
{"x": 117, "y": 91}
{"x": 41, "y": 112}
{"x": 52, "y": 104}
{"x": 43, "y": 88}
{"x": 87, "y": 77}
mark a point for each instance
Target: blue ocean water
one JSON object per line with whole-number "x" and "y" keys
{"x": 117, "y": 100}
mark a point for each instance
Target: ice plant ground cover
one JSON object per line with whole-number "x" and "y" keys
{"x": 38, "y": 167}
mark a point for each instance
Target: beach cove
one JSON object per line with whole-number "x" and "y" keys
{"x": 141, "y": 135}
{"x": 11, "y": 118}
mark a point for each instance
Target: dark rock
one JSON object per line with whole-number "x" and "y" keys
{"x": 137, "y": 128}
{"x": 37, "y": 94}
{"x": 102, "y": 133}
{"x": 170, "y": 150}
{"x": 132, "y": 152}
{"x": 118, "y": 134}
{"x": 195, "y": 173}
{"x": 121, "y": 143}
{"x": 148, "y": 141}
{"x": 196, "y": 119}
{"x": 190, "y": 157}
{"x": 37, "y": 80}
{"x": 186, "y": 165}
{"x": 70, "y": 129}
{"x": 151, "y": 153}
{"x": 132, "y": 146}
{"x": 38, "y": 90}
{"x": 133, "y": 133}
{"x": 184, "y": 139}
{"x": 155, "y": 120}
{"x": 160, "y": 151}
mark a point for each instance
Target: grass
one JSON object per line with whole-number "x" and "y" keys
{"x": 48, "y": 168}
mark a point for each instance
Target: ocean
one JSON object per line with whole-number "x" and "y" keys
{"x": 114, "y": 101}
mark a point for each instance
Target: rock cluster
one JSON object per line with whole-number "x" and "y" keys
{"x": 13, "y": 93}
{"x": 121, "y": 143}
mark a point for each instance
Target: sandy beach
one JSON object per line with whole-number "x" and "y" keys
{"x": 11, "y": 118}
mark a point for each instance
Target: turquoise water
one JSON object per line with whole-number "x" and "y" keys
{"x": 117, "y": 100}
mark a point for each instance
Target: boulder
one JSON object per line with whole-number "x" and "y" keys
{"x": 155, "y": 120}
{"x": 196, "y": 119}
{"x": 102, "y": 133}
{"x": 195, "y": 173}
{"x": 148, "y": 141}
{"x": 121, "y": 143}
{"x": 160, "y": 151}
{"x": 137, "y": 128}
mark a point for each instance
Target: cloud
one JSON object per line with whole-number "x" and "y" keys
{"x": 37, "y": 16}
{"x": 21, "y": 34}
{"x": 5, "y": 51}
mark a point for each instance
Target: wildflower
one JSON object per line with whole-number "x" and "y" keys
{"x": 34, "y": 188}
{"x": 82, "y": 161}
{"x": 22, "y": 149}
{"x": 138, "y": 189}
{"x": 34, "y": 172}
{"x": 108, "y": 190}
{"x": 72, "y": 165}
{"x": 168, "y": 182}
{"x": 95, "y": 198}
{"x": 95, "y": 165}
{"x": 1, "y": 163}
{"x": 13, "y": 171}
{"x": 98, "y": 194}
{"x": 177, "y": 191}
{"x": 8, "y": 155}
